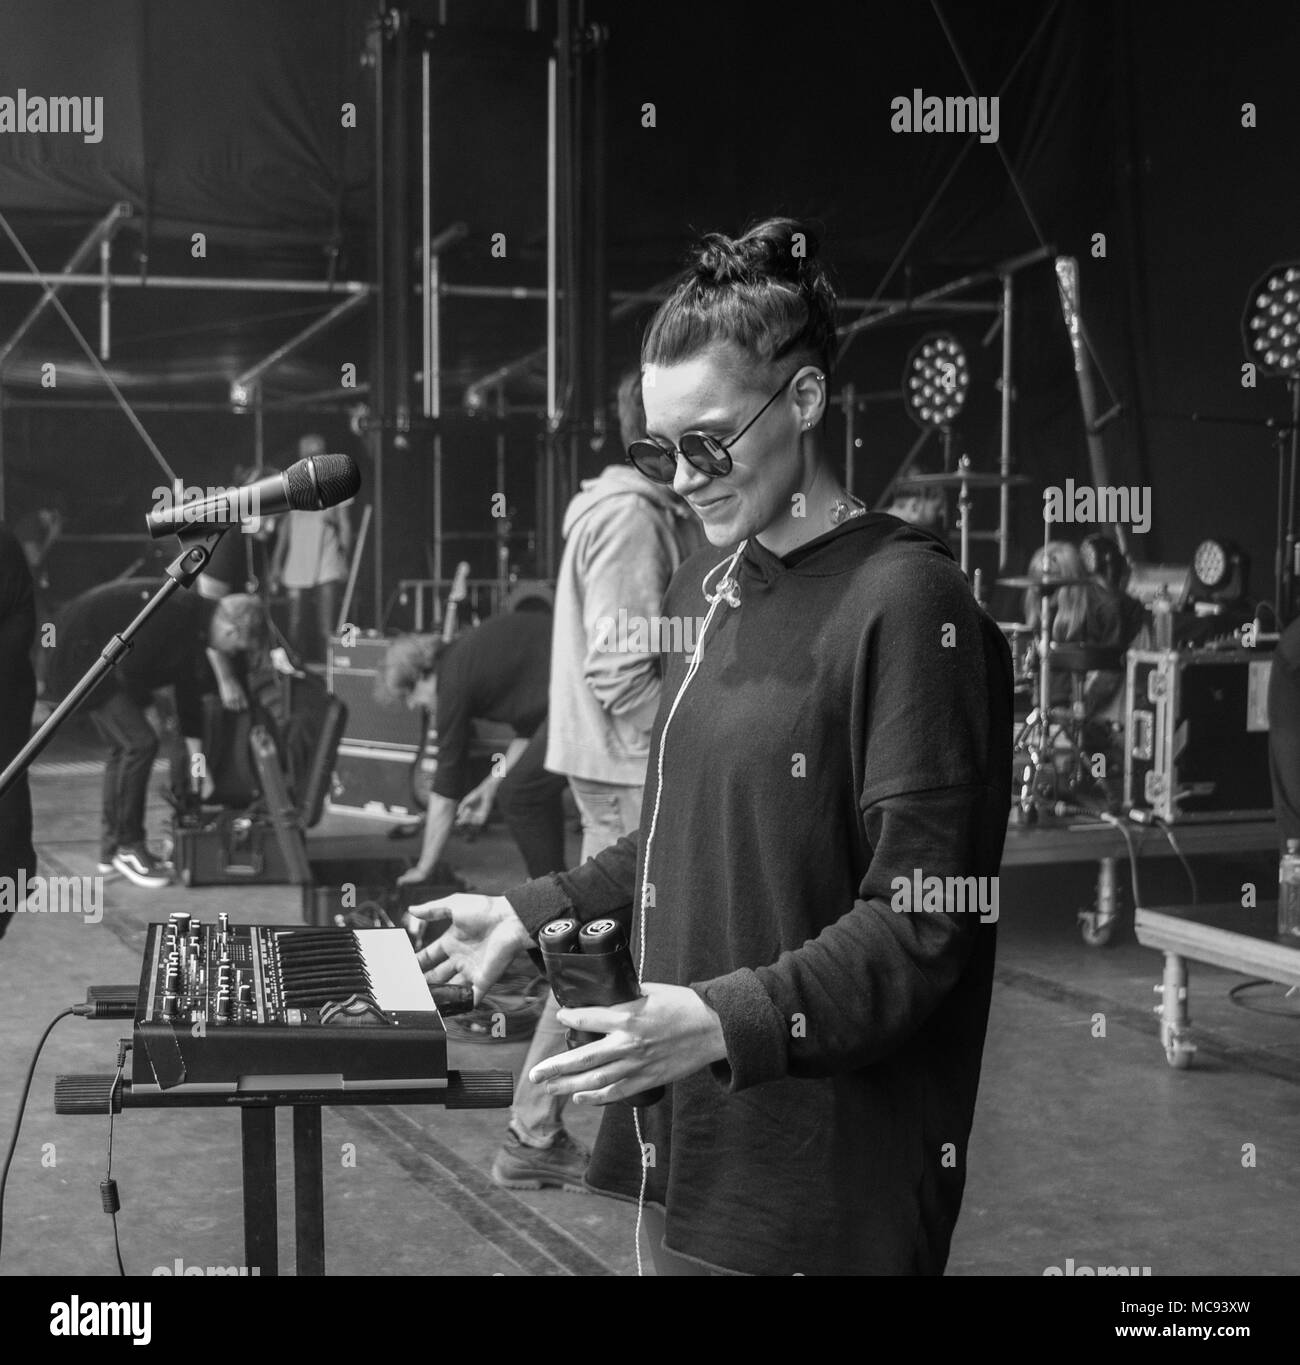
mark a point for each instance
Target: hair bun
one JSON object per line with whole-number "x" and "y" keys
{"x": 765, "y": 294}
{"x": 717, "y": 261}
{"x": 777, "y": 249}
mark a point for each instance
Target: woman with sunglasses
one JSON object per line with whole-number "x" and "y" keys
{"x": 836, "y": 742}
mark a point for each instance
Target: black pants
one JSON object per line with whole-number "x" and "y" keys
{"x": 132, "y": 748}
{"x": 531, "y": 800}
{"x": 16, "y": 851}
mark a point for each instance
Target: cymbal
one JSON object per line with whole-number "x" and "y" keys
{"x": 972, "y": 478}
{"x": 1043, "y": 584}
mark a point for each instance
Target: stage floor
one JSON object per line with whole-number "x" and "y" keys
{"x": 1085, "y": 1147}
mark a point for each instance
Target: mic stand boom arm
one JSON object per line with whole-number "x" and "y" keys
{"x": 197, "y": 544}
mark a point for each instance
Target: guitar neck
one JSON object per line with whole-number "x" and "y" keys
{"x": 455, "y": 596}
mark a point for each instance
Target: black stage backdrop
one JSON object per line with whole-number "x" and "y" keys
{"x": 1116, "y": 118}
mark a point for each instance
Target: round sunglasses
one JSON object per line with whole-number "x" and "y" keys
{"x": 700, "y": 450}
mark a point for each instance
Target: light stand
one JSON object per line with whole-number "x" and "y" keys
{"x": 1285, "y": 603}
{"x": 1284, "y": 568}
{"x": 1270, "y": 336}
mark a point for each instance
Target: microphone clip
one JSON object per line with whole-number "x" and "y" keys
{"x": 197, "y": 544}
{"x": 728, "y": 590}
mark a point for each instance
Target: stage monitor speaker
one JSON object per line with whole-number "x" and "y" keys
{"x": 351, "y": 675}
{"x": 374, "y": 780}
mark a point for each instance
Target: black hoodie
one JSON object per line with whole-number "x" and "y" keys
{"x": 849, "y": 725}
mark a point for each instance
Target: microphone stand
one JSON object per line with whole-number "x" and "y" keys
{"x": 197, "y": 544}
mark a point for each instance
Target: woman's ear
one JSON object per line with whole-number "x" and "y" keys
{"x": 810, "y": 395}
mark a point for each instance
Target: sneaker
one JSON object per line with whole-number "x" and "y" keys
{"x": 138, "y": 865}
{"x": 520, "y": 1167}
{"x": 105, "y": 868}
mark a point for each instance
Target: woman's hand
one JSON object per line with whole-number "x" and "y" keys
{"x": 484, "y": 936}
{"x": 667, "y": 1034}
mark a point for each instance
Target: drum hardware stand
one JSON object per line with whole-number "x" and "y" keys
{"x": 964, "y": 504}
{"x": 963, "y": 478}
{"x": 1038, "y": 733}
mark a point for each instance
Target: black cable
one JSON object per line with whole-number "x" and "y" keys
{"x": 110, "y": 1186}
{"x": 1118, "y": 824}
{"x": 943, "y": 185}
{"x": 1187, "y": 867}
{"x": 1255, "y": 1009}
{"x": 1001, "y": 151}
{"x": 18, "y": 1122}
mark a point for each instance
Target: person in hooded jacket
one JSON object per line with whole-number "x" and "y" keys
{"x": 624, "y": 538}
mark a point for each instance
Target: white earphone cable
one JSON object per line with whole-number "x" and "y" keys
{"x": 728, "y": 591}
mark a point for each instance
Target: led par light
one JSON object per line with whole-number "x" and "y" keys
{"x": 1220, "y": 570}
{"x": 936, "y": 378}
{"x": 1270, "y": 326}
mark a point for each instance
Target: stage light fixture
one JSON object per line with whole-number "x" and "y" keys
{"x": 241, "y": 396}
{"x": 1270, "y": 326}
{"x": 936, "y": 379}
{"x": 1220, "y": 570}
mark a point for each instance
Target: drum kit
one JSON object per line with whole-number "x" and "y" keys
{"x": 1041, "y": 735}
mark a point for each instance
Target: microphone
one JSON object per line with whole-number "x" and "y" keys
{"x": 312, "y": 484}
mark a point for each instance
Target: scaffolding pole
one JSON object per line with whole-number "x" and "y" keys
{"x": 232, "y": 284}
{"x": 336, "y": 314}
{"x": 1004, "y": 454}
{"x": 99, "y": 236}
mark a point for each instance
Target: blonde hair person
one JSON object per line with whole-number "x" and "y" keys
{"x": 1069, "y": 605}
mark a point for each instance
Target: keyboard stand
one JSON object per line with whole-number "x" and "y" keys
{"x": 92, "y": 1094}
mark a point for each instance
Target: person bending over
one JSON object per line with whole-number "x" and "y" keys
{"x": 497, "y": 672}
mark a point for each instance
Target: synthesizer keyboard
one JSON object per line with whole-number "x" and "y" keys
{"x": 260, "y": 1007}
